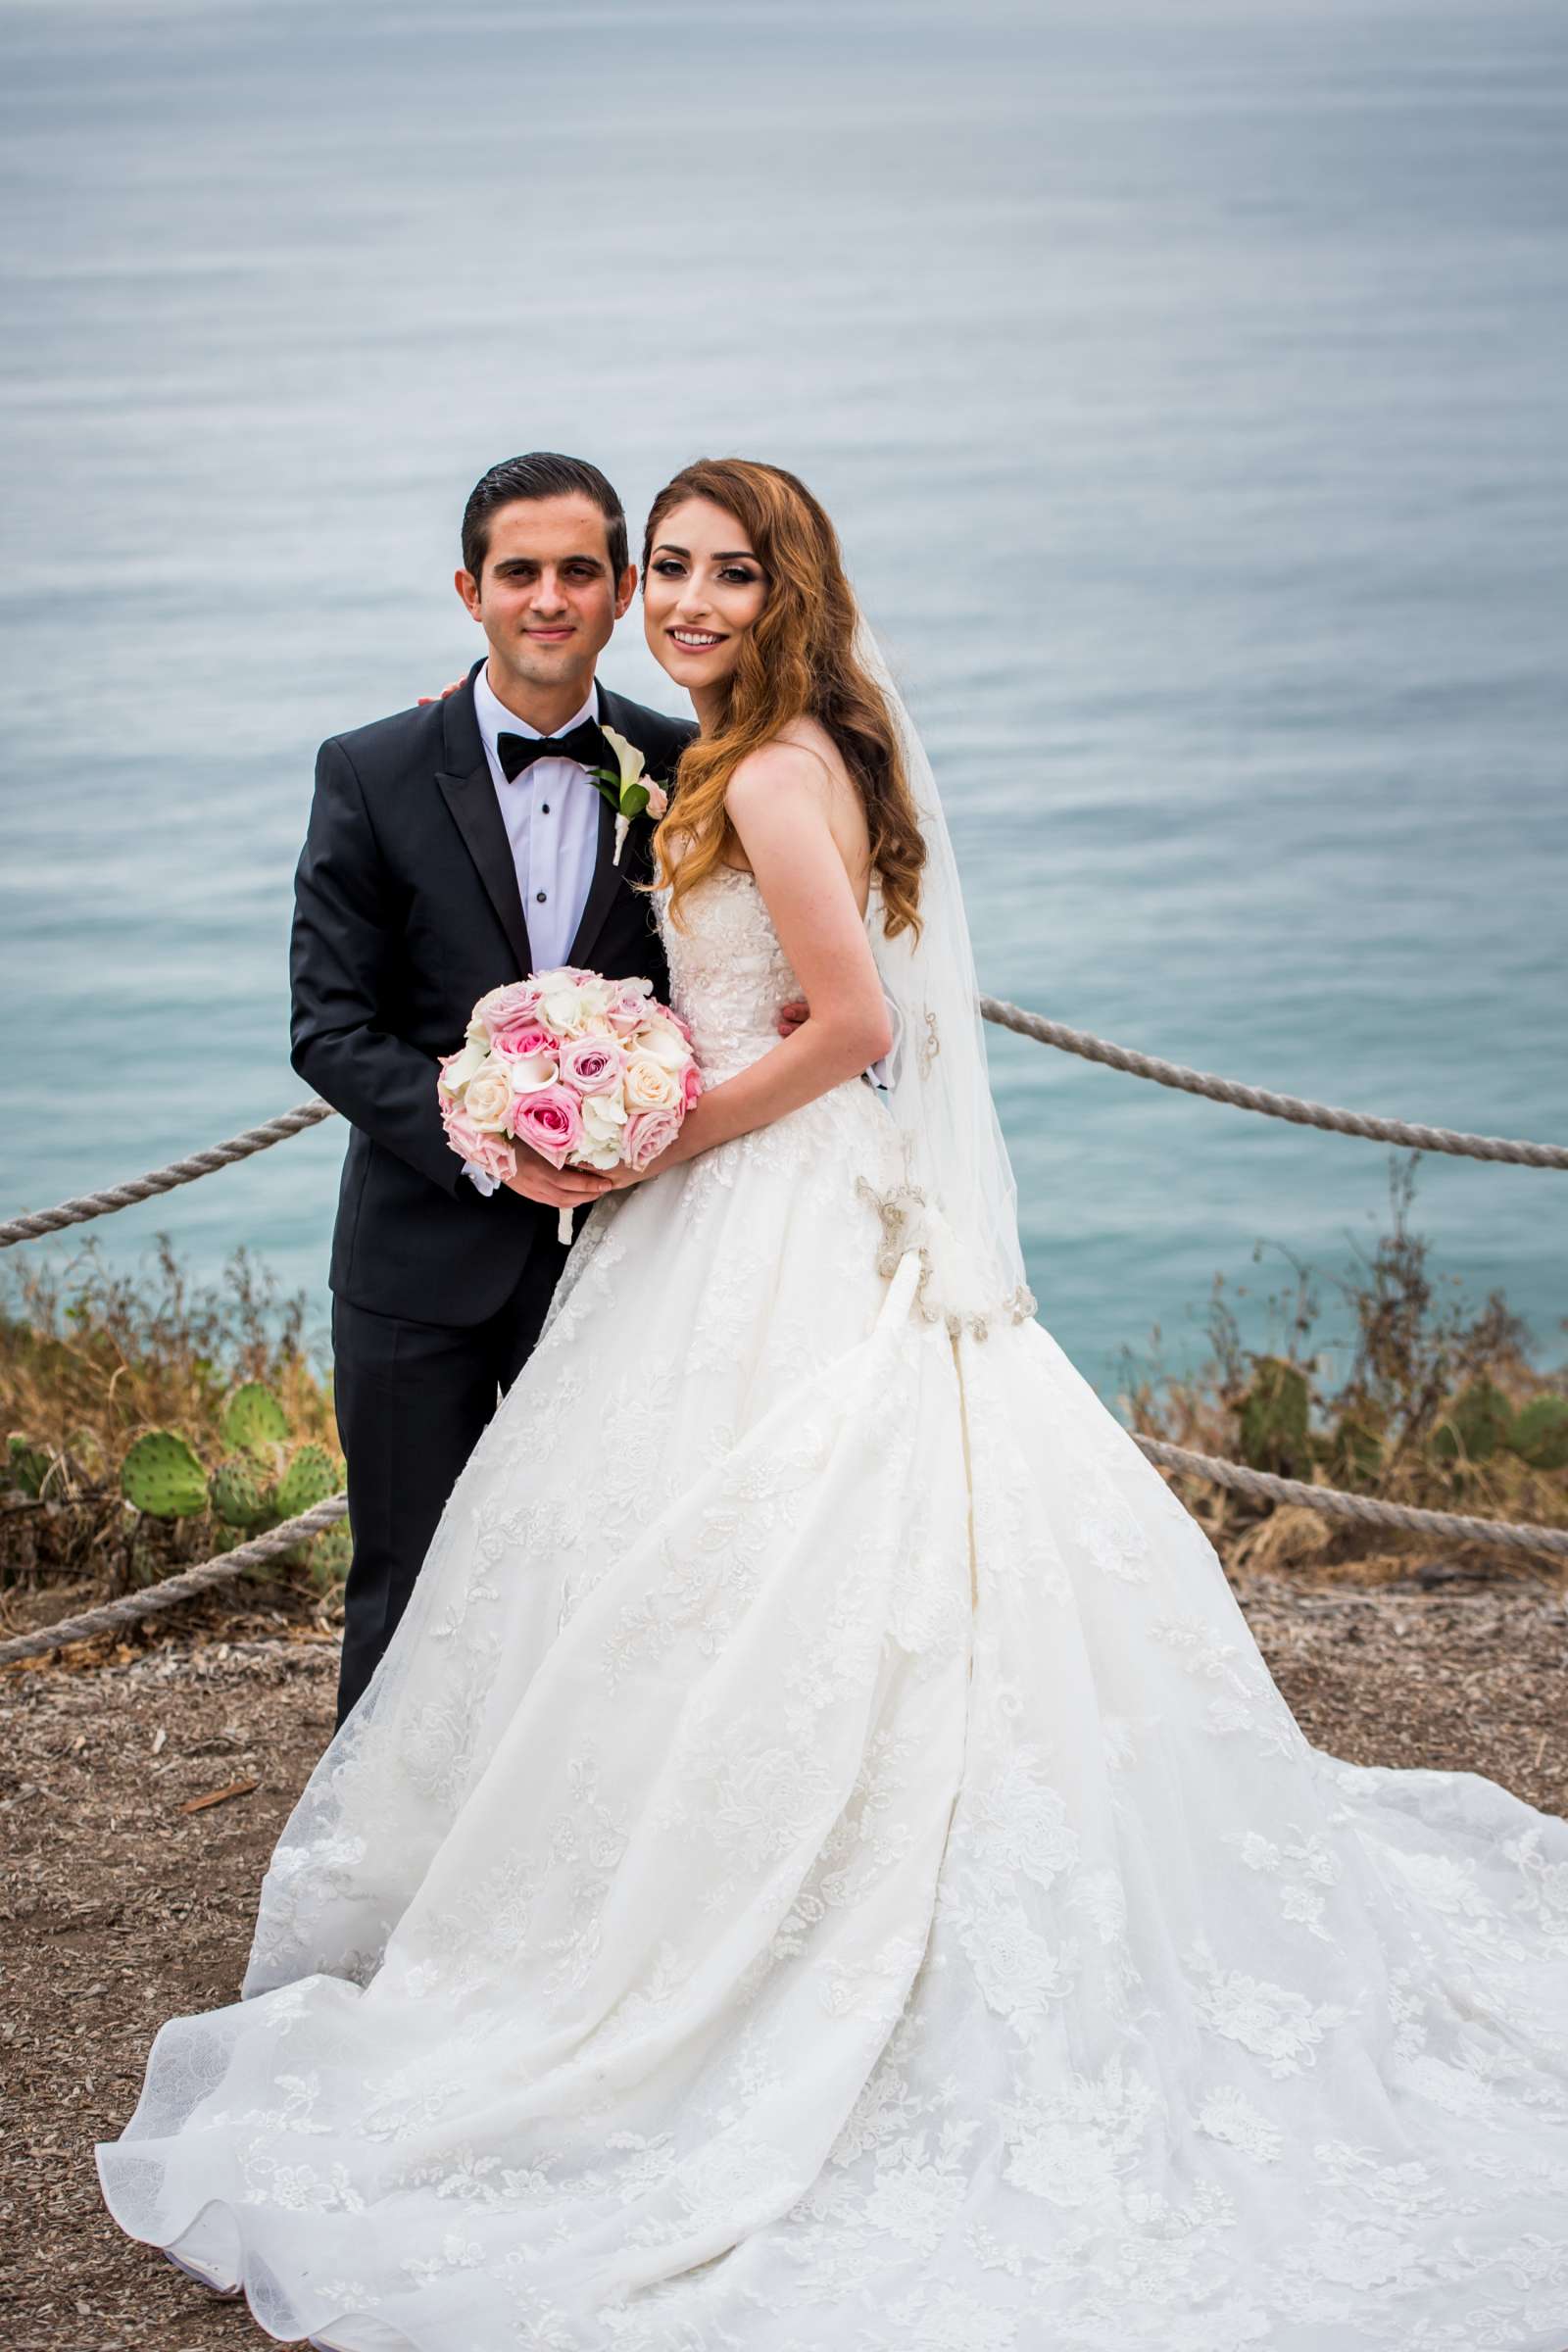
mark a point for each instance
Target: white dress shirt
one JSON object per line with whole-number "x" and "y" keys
{"x": 551, "y": 812}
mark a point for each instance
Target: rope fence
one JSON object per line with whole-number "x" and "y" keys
{"x": 175, "y": 1589}
{"x": 31, "y": 1227}
{"x": 1367, "y": 1510}
{"x": 1410, "y": 1134}
{"x": 1302, "y": 1113}
{"x": 1451, "y": 1527}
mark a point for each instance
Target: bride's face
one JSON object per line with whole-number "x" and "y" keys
{"x": 703, "y": 592}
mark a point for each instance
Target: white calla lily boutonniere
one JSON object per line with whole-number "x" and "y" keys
{"x": 626, "y": 788}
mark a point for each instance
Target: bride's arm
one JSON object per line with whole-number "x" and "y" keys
{"x": 777, "y": 807}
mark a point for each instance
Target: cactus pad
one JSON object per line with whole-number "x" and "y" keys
{"x": 1274, "y": 1416}
{"x": 27, "y": 1465}
{"x": 311, "y": 1477}
{"x": 1540, "y": 1433}
{"x": 1477, "y": 1423}
{"x": 162, "y": 1476}
{"x": 253, "y": 1417}
{"x": 241, "y": 1495}
{"x": 329, "y": 1556}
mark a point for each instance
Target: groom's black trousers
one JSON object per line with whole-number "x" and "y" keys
{"x": 411, "y": 1400}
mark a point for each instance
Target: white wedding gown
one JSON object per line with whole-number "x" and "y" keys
{"x": 823, "y": 1867}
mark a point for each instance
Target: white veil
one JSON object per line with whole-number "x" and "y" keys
{"x": 960, "y": 1204}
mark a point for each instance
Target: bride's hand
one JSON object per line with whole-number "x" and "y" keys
{"x": 447, "y": 690}
{"x": 621, "y": 1177}
{"x": 554, "y": 1188}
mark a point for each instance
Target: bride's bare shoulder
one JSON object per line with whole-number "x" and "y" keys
{"x": 804, "y": 758}
{"x": 803, "y": 765}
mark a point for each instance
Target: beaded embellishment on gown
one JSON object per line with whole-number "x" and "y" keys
{"x": 823, "y": 1864}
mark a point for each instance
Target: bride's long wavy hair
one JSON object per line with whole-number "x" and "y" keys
{"x": 798, "y": 660}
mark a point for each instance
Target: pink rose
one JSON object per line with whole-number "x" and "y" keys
{"x": 550, "y": 1121}
{"x": 691, "y": 1086}
{"x": 648, "y": 1133}
{"x": 629, "y": 1009}
{"x": 504, "y": 1007}
{"x": 491, "y": 1152}
{"x": 525, "y": 1038}
{"x": 591, "y": 1064}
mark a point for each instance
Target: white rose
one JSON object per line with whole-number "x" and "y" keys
{"x": 464, "y": 1065}
{"x": 602, "y": 1156}
{"x": 595, "y": 996}
{"x": 602, "y": 1118}
{"x": 649, "y": 1085}
{"x": 662, "y": 1042}
{"x": 562, "y": 1010}
{"x": 487, "y": 1097}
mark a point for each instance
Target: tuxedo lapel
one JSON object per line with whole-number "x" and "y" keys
{"x": 469, "y": 793}
{"x": 607, "y": 875}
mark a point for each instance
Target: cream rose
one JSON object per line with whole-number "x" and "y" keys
{"x": 487, "y": 1099}
{"x": 649, "y": 1085}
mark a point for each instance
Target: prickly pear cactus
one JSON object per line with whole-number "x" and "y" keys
{"x": 254, "y": 1418}
{"x": 311, "y": 1477}
{"x": 330, "y": 1558}
{"x": 241, "y": 1495}
{"x": 1540, "y": 1433}
{"x": 1476, "y": 1424}
{"x": 28, "y": 1465}
{"x": 162, "y": 1476}
{"x": 1274, "y": 1415}
{"x": 1355, "y": 1448}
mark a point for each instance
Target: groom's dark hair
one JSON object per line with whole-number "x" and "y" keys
{"x": 543, "y": 474}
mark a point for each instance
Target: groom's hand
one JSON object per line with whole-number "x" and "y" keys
{"x": 554, "y": 1188}
{"x": 792, "y": 1015}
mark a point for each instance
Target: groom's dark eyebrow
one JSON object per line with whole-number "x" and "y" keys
{"x": 531, "y": 563}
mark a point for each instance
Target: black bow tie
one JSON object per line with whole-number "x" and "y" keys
{"x": 583, "y": 744}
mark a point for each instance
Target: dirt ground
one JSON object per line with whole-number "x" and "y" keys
{"x": 120, "y": 1909}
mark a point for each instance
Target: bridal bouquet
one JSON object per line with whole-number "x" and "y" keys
{"x": 592, "y": 1073}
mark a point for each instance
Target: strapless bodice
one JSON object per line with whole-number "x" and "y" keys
{"x": 729, "y": 976}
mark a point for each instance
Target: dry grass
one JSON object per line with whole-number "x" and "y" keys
{"x": 1385, "y": 1425}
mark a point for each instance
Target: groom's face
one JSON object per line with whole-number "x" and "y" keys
{"x": 547, "y": 598}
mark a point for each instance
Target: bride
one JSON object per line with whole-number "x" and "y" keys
{"x": 823, "y": 1861}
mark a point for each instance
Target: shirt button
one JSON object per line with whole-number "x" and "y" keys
{"x": 544, "y": 807}
{"x": 540, "y": 896}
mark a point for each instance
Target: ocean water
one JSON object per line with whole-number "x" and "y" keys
{"x": 1188, "y": 383}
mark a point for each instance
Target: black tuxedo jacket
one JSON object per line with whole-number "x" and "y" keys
{"x": 406, "y": 911}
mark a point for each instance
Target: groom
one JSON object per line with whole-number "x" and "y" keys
{"x": 451, "y": 848}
